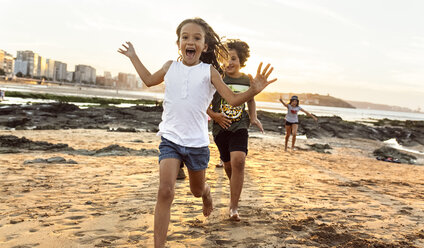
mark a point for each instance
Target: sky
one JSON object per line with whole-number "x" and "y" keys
{"x": 363, "y": 50}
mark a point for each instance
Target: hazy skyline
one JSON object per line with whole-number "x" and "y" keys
{"x": 356, "y": 50}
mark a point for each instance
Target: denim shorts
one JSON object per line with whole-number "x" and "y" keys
{"x": 195, "y": 158}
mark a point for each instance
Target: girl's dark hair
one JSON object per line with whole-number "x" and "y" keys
{"x": 217, "y": 53}
{"x": 291, "y": 100}
{"x": 241, "y": 48}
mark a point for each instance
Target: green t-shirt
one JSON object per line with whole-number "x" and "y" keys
{"x": 238, "y": 115}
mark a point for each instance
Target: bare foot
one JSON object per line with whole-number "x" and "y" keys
{"x": 221, "y": 164}
{"x": 207, "y": 202}
{"x": 234, "y": 216}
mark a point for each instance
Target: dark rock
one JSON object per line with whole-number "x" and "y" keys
{"x": 13, "y": 144}
{"x": 390, "y": 154}
{"x": 56, "y": 107}
{"x": 121, "y": 129}
{"x": 36, "y": 161}
{"x": 321, "y": 148}
{"x": 56, "y": 160}
{"x": 52, "y": 160}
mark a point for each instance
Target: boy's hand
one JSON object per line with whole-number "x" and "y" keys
{"x": 129, "y": 52}
{"x": 260, "y": 81}
{"x": 222, "y": 120}
{"x": 258, "y": 124}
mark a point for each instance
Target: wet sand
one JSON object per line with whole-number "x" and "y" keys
{"x": 290, "y": 199}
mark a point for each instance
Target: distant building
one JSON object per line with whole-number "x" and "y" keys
{"x": 41, "y": 67}
{"x": 50, "y": 69}
{"x": 107, "y": 75}
{"x": 26, "y": 63}
{"x": 85, "y": 74}
{"x": 7, "y": 63}
{"x": 109, "y": 81}
{"x": 126, "y": 80}
{"x": 140, "y": 83}
{"x": 60, "y": 71}
{"x": 69, "y": 76}
{"x": 100, "y": 80}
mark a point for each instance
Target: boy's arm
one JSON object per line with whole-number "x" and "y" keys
{"x": 257, "y": 84}
{"x": 251, "y": 104}
{"x": 148, "y": 78}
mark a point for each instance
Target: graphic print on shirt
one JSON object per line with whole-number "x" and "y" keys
{"x": 293, "y": 111}
{"x": 231, "y": 112}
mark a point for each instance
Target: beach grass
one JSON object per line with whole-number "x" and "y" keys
{"x": 79, "y": 99}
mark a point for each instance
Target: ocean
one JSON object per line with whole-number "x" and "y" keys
{"x": 347, "y": 114}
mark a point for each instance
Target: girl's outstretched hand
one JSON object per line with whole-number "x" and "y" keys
{"x": 261, "y": 79}
{"x": 129, "y": 50}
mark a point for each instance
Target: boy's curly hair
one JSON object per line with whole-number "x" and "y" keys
{"x": 217, "y": 53}
{"x": 242, "y": 49}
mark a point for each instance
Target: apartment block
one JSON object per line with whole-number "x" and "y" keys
{"x": 7, "y": 63}
{"x": 85, "y": 74}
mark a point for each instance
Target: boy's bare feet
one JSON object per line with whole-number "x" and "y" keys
{"x": 234, "y": 216}
{"x": 221, "y": 164}
{"x": 207, "y": 202}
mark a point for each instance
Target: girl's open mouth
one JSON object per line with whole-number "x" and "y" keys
{"x": 190, "y": 53}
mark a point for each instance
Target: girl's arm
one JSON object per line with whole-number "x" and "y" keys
{"x": 251, "y": 104}
{"x": 257, "y": 84}
{"x": 219, "y": 118}
{"x": 311, "y": 115}
{"x": 148, "y": 78}
{"x": 281, "y": 100}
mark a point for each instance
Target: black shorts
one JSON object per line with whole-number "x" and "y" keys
{"x": 288, "y": 123}
{"x": 228, "y": 141}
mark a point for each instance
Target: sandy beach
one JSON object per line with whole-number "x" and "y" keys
{"x": 290, "y": 199}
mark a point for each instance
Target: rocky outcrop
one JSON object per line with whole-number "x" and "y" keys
{"x": 390, "y": 154}
{"x": 131, "y": 119}
{"x": 13, "y": 144}
{"x": 407, "y": 133}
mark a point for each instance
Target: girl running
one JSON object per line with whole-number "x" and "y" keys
{"x": 292, "y": 120}
{"x": 190, "y": 83}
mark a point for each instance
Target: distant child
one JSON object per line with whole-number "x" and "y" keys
{"x": 292, "y": 120}
{"x": 2, "y": 94}
{"x": 190, "y": 83}
{"x": 231, "y": 123}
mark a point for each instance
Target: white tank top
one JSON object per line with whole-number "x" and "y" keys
{"x": 188, "y": 94}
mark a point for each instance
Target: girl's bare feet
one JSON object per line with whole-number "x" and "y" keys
{"x": 207, "y": 202}
{"x": 234, "y": 216}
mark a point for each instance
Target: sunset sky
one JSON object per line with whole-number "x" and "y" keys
{"x": 365, "y": 50}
